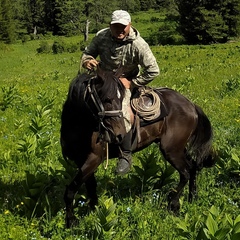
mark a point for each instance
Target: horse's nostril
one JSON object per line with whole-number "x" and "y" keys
{"x": 119, "y": 138}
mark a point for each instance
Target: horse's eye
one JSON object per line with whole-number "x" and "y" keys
{"x": 108, "y": 100}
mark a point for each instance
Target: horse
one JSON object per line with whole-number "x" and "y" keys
{"x": 92, "y": 118}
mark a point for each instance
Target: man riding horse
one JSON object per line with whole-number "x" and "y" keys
{"x": 121, "y": 45}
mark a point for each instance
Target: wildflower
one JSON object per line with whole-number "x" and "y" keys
{"x": 6, "y": 212}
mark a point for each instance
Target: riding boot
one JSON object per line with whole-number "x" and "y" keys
{"x": 125, "y": 154}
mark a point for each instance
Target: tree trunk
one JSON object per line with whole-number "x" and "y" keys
{"x": 86, "y": 30}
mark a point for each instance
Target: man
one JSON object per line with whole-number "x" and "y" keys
{"x": 120, "y": 45}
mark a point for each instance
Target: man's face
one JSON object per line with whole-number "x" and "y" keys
{"x": 120, "y": 31}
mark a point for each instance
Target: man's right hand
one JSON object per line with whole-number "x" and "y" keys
{"x": 90, "y": 64}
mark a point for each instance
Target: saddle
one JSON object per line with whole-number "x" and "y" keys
{"x": 147, "y": 105}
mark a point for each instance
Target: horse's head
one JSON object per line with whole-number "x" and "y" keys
{"x": 107, "y": 93}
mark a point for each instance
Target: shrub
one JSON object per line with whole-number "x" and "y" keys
{"x": 59, "y": 46}
{"x": 72, "y": 47}
{"x": 44, "y": 47}
{"x": 25, "y": 38}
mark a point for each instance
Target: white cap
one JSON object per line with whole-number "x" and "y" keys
{"x": 121, "y": 16}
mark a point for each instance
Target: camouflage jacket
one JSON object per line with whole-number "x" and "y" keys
{"x": 132, "y": 53}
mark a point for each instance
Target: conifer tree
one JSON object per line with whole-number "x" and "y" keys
{"x": 208, "y": 21}
{"x": 7, "y": 24}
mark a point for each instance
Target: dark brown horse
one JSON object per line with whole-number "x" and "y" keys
{"x": 92, "y": 116}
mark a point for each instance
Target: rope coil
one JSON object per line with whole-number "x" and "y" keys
{"x": 148, "y": 111}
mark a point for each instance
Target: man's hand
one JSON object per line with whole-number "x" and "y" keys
{"x": 125, "y": 82}
{"x": 90, "y": 64}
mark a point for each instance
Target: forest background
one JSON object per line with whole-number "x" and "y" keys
{"x": 186, "y": 21}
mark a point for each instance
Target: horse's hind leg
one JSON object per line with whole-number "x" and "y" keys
{"x": 178, "y": 160}
{"x": 173, "y": 197}
{"x": 193, "y": 174}
{"x": 70, "y": 192}
{"x": 192, "y": 182}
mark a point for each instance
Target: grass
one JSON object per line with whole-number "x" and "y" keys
{"x": 33, "y": 175}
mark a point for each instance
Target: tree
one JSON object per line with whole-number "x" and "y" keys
{"x": 231, "y": 15}
{"x": 7, "y": 23}
{"x": 147, "y": 4}
{"x": 208, "y": 21}
{"x": 35, "y": 15}
{"x": 129, "y": 5}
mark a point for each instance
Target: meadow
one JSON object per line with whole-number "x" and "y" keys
{"x": 33, "y": 174}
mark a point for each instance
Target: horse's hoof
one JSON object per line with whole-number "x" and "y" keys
{"x": 174, "y": 206}
{"x": 71, "y": 222}
{"x": 173, "y": 202}
{"x": 93, "y": 203}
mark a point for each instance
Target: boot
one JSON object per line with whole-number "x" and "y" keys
{"x": 125, "y": 155}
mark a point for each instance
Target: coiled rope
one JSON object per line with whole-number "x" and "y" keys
{"x": 147, "y": 111}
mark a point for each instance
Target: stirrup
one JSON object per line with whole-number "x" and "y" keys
{"x": 124, "y": 164}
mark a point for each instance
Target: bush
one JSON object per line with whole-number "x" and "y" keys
{"x": 45, "y": 47}
{"x": 83, "y": 45}
{"x": 72, "y": 47}
{"x": 25, "y": 38}
{"x": 5, "y": 47}
{"x": 59, "y": 46}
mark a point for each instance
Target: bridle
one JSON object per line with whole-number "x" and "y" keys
{"x": 101, "y": 113}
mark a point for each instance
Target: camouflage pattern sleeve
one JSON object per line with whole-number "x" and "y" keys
{"x": 148, "y": 63}
{"x": 90, "y": 51}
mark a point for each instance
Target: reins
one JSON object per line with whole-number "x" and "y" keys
{"x": 107, "y": 156}
{"x": 98, "y": 103}
{"x": 101, "y": 113}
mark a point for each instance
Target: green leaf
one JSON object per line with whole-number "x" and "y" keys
{"x": 101, "y": 216}
{"x": 108, "y": 225}
{"x": 237, "y": 219}
{"x": 110, "y": 210}
{"x": 236, "y": 228}
{"x": 98, "y": 229}
{"x": 211, "y": 225}
{"x": 214, "y": 211}
{"x": 235, "y": 157}
{"x": 235, "y": 236}
{"x": 183, "y": 226}
{"x": 202, "y": 234}
{"x": 222, "y": 233}
{"x": 229, "y": 219}
{"x": 139, "y": 171}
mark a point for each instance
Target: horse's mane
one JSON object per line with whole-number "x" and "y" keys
{"x": 110, "y": 85}
{"x": 77, "y": 87}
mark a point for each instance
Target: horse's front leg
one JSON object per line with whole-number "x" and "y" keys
{"x": 84, "y": 175}
{"x": 69, "y": 195}
{"x": 91, "y": 186}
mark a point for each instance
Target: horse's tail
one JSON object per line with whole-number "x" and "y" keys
{"x": 201, "y": 141}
